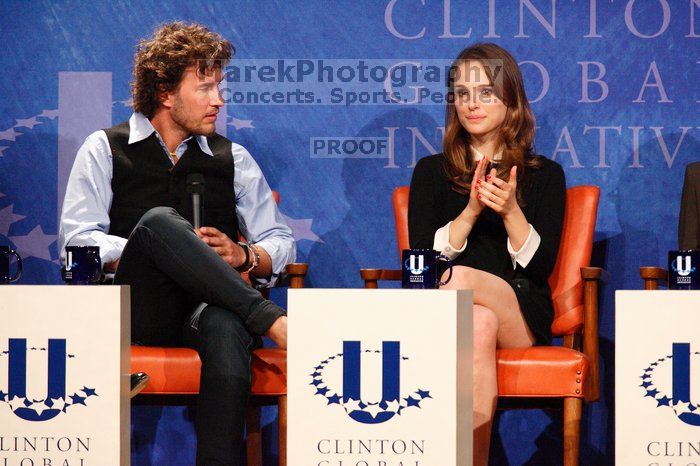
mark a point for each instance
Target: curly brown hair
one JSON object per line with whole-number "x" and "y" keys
{"x": 517, "y": 133}
{"x": 161, "y": 60}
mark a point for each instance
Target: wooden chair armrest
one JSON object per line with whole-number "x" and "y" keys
{"x": 296, "y": 273}
{"x": 372, "y": 276}
{"x": 595, "y": 273}
{"x": 592, "y": 277}
{"x": 652, "y": 276}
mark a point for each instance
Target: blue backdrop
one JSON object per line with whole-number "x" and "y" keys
{"x": 613, "y": 86}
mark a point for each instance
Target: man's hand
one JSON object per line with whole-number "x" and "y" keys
{"x": 111, "y": 267}
{"x": 229, "y": 250}
{"x": 278, "y": 332}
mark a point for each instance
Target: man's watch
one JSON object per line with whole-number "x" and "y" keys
{"x": 246, "y": 250}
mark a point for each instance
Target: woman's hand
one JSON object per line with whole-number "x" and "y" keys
{"x": 475, "y": 206}
{"x": 462, "y": 225}
{"x": 498, "y": 194}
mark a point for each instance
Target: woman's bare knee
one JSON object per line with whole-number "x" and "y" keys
{"x": 486, "y": 325}
{"x": 463, "y": 278}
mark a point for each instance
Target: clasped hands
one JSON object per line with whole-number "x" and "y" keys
{"x": 487, "y": 190}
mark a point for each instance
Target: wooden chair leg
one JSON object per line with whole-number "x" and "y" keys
{"x": 253, "y": 438}
{"x": 282, "y": 422}
{"x": 572, "y": 430}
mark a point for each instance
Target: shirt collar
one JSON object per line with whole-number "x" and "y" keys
{"x": 140, "y": 128}
{"x": 476, "y": 155}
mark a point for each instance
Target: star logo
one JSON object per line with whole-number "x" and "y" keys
{"x": 34, "y": 409}
{"x": 241, "y": 124}
{"x": 16, "y": 403}
{"x": 366, "y": 411}
{"x": 683, "y": 408}
{"x": 9, "y": 134}
{"x": 77, "y": 399}
{"x": 7, "y": 218}
{"x": 301, "y": 229}
{"x": 39, "y": 407}
{"x": 373, "y": 409}
{"x": 27, "y": 123}
{"x": 89, "y": 391}
{"x": 35, "y": 244}
{"x": 410, "y": 401}
{"x": 58, "y": 403}
{"x": 663, "y": 401}
{"x": 50, "y": 114}
{"x": 351, "y": 405}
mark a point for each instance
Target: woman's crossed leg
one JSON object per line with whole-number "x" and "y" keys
{"x": 498, "y": 323}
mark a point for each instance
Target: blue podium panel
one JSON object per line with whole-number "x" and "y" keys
{"x": 380, "y": 377}
{"x": 657, "y": 384}
{"x": 64, "y": 375}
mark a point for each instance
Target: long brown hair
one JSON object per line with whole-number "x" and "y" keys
{"x": 517, "y": 132}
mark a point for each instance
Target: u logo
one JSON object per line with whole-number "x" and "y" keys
{"x": 681, "y": 383}
{"x": 683, "y": 271}
{"x": 416, "y": 270}
{"x": 349, "y": 394}
{"x": 391, "y": 375}
{"x": 17, "y": 377}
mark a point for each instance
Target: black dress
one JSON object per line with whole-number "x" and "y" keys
{"x": 433, "y": 203}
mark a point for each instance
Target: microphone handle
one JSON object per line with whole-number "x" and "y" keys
{"x": 196, "y": 210}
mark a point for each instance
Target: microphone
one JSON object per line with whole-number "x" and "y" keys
{"x": 195, "y": 187}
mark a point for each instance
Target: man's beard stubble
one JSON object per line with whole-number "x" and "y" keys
{"x": 181, "y": 118}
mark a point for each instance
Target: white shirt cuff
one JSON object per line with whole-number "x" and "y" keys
{"x": 527, "y": 250}
{"x": 441, "y": 243}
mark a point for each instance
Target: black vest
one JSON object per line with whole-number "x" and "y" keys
{"x": 144, "y": 178}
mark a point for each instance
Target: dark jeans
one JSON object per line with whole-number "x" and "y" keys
{"x": 171, "y": 271}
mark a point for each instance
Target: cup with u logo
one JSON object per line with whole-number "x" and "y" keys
{"x": 419, "y": 268}
{"x": 83, "y": 265}
{"x": 683, "y": 270}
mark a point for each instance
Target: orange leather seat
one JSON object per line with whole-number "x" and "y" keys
{"x": 175, "y": 371}
{"x": 172, "y": 371}
{"x": 269, "y": 372}
{"x": 541, "y": 371}
{"x": 532, "y": 377}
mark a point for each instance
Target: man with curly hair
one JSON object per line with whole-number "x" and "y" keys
{"x": 130, "y": 181}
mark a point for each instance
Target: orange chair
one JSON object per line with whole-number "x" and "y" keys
{"x": 175, "y": 372}
{"x": 545, "y": 375}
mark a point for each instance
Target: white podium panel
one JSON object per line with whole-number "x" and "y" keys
{"x": 379, "y": 377}
{"x": 657, "y": 381}
{"x": 64, "y": 375}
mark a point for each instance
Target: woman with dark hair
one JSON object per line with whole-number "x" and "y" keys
{"x": 496, "y": 209}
